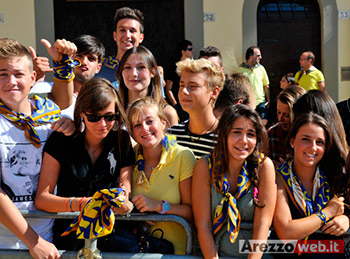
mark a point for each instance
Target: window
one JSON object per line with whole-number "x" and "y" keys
{"x": 288, "y": 10}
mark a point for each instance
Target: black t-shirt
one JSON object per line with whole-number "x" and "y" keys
{"x": 174, "y": 77}
{"x": 79, "y": 177}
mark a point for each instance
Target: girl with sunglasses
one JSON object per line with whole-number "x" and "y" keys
{"x": 97, "y": 156}
{"x": 162, "y": 175}
{"x": 138, "y": 77}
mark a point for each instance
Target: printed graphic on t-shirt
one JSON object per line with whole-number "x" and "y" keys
{"x": 112, "y": 162}
{"x": 21, "y": 172}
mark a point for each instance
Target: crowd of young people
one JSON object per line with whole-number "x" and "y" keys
{"x": 215, "y": 169}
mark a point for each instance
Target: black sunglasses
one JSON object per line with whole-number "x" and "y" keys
{"x": 189, "y": 49}
{"x": 97, "y": 117}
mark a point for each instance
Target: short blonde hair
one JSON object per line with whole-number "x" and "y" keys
{"x": 10, "y": 48}
{"x": 215, "y": 76}
{"x": 137, "y": 108}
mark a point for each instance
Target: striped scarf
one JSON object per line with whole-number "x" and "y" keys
{"x": 227, "y": 206}
{"x": 44, "y": 111}
{"x": 297, "y": 193}
{"x": 97, "y": 218}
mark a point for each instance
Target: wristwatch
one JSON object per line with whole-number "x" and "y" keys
{"x": 165, "y": 207}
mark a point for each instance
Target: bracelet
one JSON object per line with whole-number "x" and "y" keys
{"x": 70, "y": 204}
{"x": 63, "y": 69}
{"x": 322, "y": 216}
{"x": 80, "y": 202}
{"x": 65, "y": 204}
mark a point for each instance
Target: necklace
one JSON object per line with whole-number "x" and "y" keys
{"x": 208, "y": 130}
{"x": 149, "y": 165}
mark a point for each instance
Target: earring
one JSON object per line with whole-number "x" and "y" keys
{"x": 115, "y": 126}
{"x": 82, "y": 125}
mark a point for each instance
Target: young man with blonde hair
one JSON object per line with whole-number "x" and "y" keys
{"x": 25, "y": 125}
{"x": 200, "y": 84}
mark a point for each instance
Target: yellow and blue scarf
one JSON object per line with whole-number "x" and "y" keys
{"x": 44, "y": 111}
{"x": 227, "y": 206}
{"x": 306, "y": 72}
{"x": 168, "y": 143}
{"x": 297, "y": 193}
{"x": 111, "y": 62}
{"x": 63, "y": 69}
{"x": 97, "y": 218}
{"x": 245, "y": 65}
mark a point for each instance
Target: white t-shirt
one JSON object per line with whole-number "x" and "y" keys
{"x": 69, "y": 112}
{"x": 20, "y": 163}
{"x": 44, "y": 88}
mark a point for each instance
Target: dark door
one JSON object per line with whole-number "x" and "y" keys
{"x": 286, "y": 29}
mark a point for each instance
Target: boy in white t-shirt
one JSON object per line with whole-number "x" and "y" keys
{"x": 25, "y": 125}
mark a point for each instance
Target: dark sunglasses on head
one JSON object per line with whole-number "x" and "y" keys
{"x": 189, "y": 49}
{"x": 97, "y": 117}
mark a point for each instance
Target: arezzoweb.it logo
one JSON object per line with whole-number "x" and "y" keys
{"x": 291, "y": 246}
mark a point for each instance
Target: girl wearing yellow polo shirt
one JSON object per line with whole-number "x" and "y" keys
{"x": 162, "y": 176}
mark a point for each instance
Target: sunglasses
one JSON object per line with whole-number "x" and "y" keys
{"x": 189, "y": 49}
{"x": 97, "y": 117}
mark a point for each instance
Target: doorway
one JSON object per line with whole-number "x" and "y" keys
{"x": 286, "y": 28}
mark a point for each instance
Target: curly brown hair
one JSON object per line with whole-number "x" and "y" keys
{"x": 254, "y": 160}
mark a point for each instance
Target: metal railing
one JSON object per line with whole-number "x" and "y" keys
{"x": 130, "y": 217}
{"x": 23, "y": 254}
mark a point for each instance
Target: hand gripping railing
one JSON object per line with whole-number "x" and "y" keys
{"x": 130, "y": 217}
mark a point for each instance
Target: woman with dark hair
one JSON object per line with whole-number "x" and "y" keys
{"x": 278, "y": 132}
{"x": 311, "y": 187}
{"x": 287, "y": 80}
{"x": 138, "y": 77}
{"x": 235, "y": 182}
{"x": 321, "y": 103}
{"x": 98, "y": 156}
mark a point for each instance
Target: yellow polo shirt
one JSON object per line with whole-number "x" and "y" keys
{"x": 258, "y": 78}
{"x": 309, "y": 81}
{"x": 175, "y": 166}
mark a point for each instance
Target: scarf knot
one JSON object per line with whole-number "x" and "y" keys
{"x": 111, "y": 62}
{"x": 227, "y": 207}
{"x": 168, "y": 143}
{"x": 44, "y": 111}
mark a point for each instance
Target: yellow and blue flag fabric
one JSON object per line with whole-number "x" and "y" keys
{"x": 111, "y": 62}
{"x": 63, "y": 69}
{"x": 227, "y": 206}
{"x": 97, "y": 218}
{"x": 44, "y": 111}
{"x": 320, "y": 191}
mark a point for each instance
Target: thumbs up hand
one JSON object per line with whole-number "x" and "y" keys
{"x": 41, "y": 64}
{"x": 59, "y": 47}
